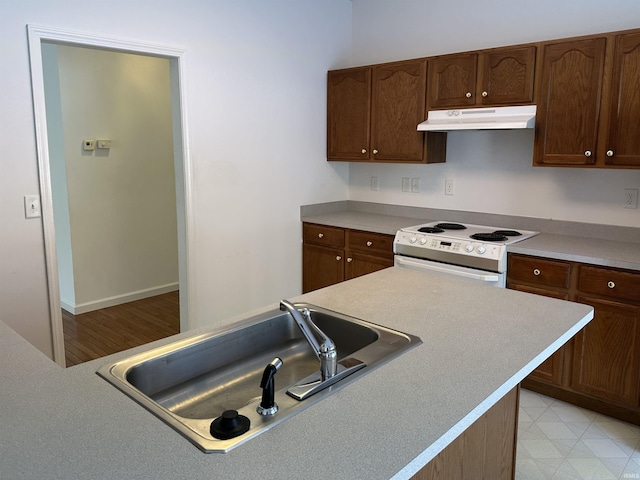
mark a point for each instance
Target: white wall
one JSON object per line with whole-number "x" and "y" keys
{"x": 256, "y": 90}
{"x": 492, "y": 171}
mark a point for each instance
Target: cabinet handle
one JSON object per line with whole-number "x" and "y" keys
{"x": 485, "y": 94}
{"x": 369, "y": 243}
{"x": 364, "y": 150}
{"x": 468, "y": 95}
{"x": 611, "y": 284}
{"x": 338, "y": 257}
{"x": 320, "y": 235}
{"x": 536, "y": 272}
{"x": 349, "y": 259}
{"x": 375, "y": 152}
{"x": 587, "y": 153}
{"x": 609, "y": 153}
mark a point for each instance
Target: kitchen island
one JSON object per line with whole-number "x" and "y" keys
{"x": 478, "y": 344}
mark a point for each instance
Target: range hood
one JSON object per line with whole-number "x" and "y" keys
{"x": 497, "y": 118}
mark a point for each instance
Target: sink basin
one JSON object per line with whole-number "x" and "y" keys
{"x": 191, "y": 382}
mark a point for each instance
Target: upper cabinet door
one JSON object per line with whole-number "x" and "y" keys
{"x": 506, "y": 76}
{"x": 623, "y": 142}
{"x": 569, "y": 102}
{"x": 348, "y": 114}
{"x": 398, "y": 105}
{"x": 452, "y": 81}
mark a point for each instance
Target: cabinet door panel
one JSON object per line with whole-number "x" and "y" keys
{"x": 506, "y": 76}
{"x": 569, "y": 103}
{"x": 321, "y": 267}
{"x": 624, "y": 135}
{"x": 348, "y": 114}
{"x": 606, "y": 362}
{"x": 398, "y": 106}
{"x": 451, "y": 79}
{"x": 359, "y": 264}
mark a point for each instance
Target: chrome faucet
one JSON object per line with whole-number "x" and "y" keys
{"x": 322, "y": 345}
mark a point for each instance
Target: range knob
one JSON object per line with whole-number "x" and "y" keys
{"x": 468, "y": 248}
{"x": 481, "y": 249}
{"x": 412, "y": 240}
{"x": 423, "y": 240}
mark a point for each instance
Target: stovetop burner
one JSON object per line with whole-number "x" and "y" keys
{"x": 489, "y": 237}
{"x": 451, "y": 226}
{"x": 508, "y": 233}
{"x": 430, "y": 230}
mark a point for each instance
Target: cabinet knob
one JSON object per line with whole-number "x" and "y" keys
{"x": 320, "y": 235}
{"x": 338, "y": 258}
{"x": 587, "y": 153}
{"x": 349, "y": 259}
{"x": 609, "y": 153}
{"x": 536, "y": 272}
{"x": 364, "y": 150}
{"x": 468, "y": 95}
{"x": 611, "y": 284}
{"x": 485, "y": 94}
{"x": 375, "y": 152}
{"x": 369, "y": 243}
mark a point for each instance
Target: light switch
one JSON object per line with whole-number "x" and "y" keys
{"x": 32, "y": 206}
{"x": 104, "y": 143}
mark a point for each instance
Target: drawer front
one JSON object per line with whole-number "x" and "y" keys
{"x": 612, "y": 283}
{"x": 371, "y": 243}
{"x": 538, "y": 270}
{"x": 323, "y": 235}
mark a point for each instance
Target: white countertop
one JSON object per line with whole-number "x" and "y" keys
{"x": 478, "y": 343}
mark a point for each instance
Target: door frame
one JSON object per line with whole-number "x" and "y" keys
{"x": 36, "y": 35}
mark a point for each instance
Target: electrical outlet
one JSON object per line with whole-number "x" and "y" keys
{"x": 448, "y": 186}
{"x": 415, "y": 185}
{"x": 406, "y": 184}
{"x": 630, "y": 198}
{"x": 375, "y": 184}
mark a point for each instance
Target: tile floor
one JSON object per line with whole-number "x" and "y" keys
{"x": 559, "y": 441}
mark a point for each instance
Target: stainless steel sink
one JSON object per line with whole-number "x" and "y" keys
{"x": 191, "y": 382}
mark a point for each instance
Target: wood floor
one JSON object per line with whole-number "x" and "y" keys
{"x": 102, "y": 332}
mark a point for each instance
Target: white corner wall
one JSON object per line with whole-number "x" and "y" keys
{"x": 255, "y": 90}
{"x": 492, "y": 171}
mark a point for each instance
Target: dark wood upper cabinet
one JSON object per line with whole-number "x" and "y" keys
{"x": 622, "y": 146}
{"x": 495, "y": 77}
{"x": 398, "y": 105}
{"x": 569, "y": 102}
{"x": 348, "y": 113}
{"x": 373, "y": 113}
{"x": 506, "y": 76}
{"x": 452, "y": 81}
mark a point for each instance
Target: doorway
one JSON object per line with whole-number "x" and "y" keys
{"x": 75, "y": 248}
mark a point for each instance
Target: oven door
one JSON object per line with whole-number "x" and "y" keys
{"x": 488, "y": 278}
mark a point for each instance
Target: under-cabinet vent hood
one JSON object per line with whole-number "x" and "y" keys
{"x": 498, "y": 118}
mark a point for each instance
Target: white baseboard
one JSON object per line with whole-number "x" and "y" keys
{"x": 118, "y": 299}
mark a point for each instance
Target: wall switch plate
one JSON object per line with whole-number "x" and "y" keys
{"x": 630, "y": 198}
{"x": 415, "y": 185}
{"x": 32, "y": 206}
{"x": 406, "y": 184}
{"x": 104, "y": 143}
{"x": 88, "y": 145}
{"x": 448, "y": 186}
{"x": 375, "y": 184}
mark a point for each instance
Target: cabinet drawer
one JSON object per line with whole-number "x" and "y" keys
{"x": 538, "y": 270}
{"x": 371, "y": 243}
{"x": 609, "y": 282}
{"x": 323, "y": 235}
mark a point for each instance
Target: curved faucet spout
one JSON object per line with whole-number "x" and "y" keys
{"x": 322, "y": 345}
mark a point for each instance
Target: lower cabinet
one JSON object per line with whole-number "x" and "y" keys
{"x": 600, "y": 367}
{"x": 332, "y": 254}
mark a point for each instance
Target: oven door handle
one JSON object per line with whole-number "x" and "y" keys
{"x": 431, "y": 266}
